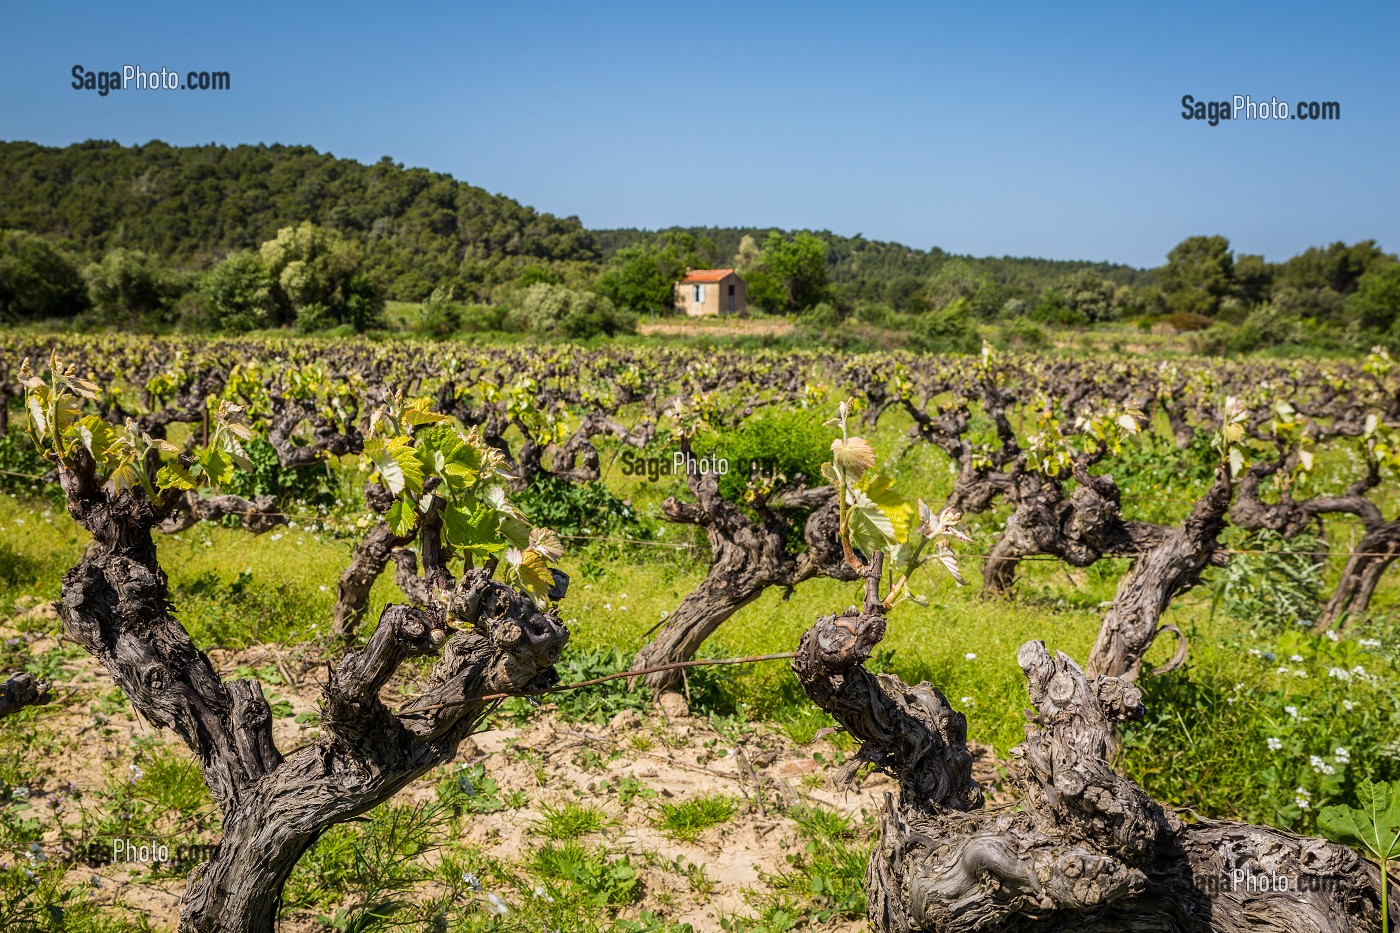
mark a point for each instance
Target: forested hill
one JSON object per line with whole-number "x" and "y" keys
{"x": 855, "y": 260}
{"x": 193, "y": 205}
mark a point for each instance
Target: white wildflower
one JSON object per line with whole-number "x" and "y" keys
{"x": 1320, "y": 766}
{"x": 1342, "y": 755}
{"x": 1274, "y": 744}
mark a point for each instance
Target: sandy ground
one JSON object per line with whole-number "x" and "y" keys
{"x": 547, "y": 758}
{"x": 716, "y": 327}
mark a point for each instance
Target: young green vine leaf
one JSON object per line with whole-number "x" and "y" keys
{"x": 877, "y": 517}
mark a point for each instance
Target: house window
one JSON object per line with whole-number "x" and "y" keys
{"x": 699, "y": 294}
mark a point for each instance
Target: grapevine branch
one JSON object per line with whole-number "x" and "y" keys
{"x": 673, "y": 666}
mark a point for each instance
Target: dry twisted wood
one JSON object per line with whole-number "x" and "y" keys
{"x": 1086, "y": 850}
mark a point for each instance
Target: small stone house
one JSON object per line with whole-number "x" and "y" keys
{"x": 711, "y": 291}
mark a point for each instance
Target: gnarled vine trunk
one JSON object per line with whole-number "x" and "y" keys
{"x": 1374, "y": 553}
{"x": 21, "y": 690}
{"x": 748, "y": 556}
{"x": 1133, "y": 622}
{"x": 1087, "y": 850}
{"x": 115, "y": 604}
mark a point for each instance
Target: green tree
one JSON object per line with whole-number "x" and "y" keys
{"x": 903, "y": 293}
{"x": 558, "y": 309}
{"x": 130, "y": 283}
{"x": 1091, "y": 295}
{"x": 1198, "y": 274}
{"x": 642, "y": 279}
{"x": 1376, "y": 301}
{"x": 237, "y": 295}
{"x": 959, "y": 279}
{"x": 1054, "y": 308}
{"x": 1317, "y": 281}
{"x": 747, "y": 256}
{"x": 1251, "y": 279}
{"x": 36, "y": 280}
{"x": 949, "y": 329}
{"x": 533, "y": 275}
{"x": 318, "y": 280}
{"x": 798, "y": 267}
{"x": 1338, "y": 266}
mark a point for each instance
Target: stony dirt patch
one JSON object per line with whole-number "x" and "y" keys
{"x": 90, "y": 737}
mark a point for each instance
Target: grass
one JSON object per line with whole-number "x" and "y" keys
{"x": 687, "y": 820}
{"x": 570, "y": 821}
{"x": 1208, "y": 741}
{"x": 826, "y": 878}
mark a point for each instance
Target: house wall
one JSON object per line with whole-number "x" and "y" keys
{"x": 741, "y": 296}
{"x": 716, "y": 297}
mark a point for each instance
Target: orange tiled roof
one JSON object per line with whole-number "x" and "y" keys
{"x": 705, "y": 275}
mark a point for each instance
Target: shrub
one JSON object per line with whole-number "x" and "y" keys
{"x": 948, "y": 329}
{"x": 558, "y": 309}
{"x": 315, "y": 485}
{"x": 478, "y": 318}
{"x": 1268, "y": 326}
{"x": 439, "y": 316}
{"x": 236, "y": 295}
{"x": 129, "y": 284}
{"x": 578, "y": 509}
{"x": 787, "y": 445}
{"x": 1184, "y": 321}
{"x": 1054, "y": 308}
{"x": 823, "y": 314}
{"x": 1274, "y": 583}
{"x": 1026, "y": 333}
{"x": 36, "y": 280}
{"x": 873, "y": 313}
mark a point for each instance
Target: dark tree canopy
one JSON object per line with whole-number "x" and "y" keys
{"x": 192, "y": 206}
{"x": 36, "y": 279}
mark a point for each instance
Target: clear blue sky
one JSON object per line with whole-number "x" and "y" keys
{"x": 1040, "y": 129}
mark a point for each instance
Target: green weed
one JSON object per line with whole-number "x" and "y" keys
{"x": 686, "y": 820}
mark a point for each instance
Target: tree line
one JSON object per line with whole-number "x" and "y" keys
{"x": 255, "y": 237}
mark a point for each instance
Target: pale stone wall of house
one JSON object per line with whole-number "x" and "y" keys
{"x": 716, "y": 299}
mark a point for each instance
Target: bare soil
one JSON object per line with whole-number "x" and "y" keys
{"x": 90, "y": 735}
